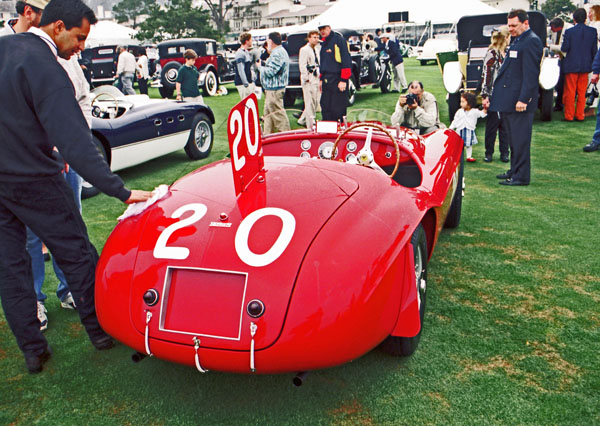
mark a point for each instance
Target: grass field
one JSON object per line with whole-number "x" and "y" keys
{"x": 511, "y": 335}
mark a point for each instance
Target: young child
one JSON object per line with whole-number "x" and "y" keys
{"x": 186, "y": 84}
{"x": 465, "y": 121}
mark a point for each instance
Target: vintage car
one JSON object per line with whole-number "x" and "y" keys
{"x": 428, "y": 52}
{"x": 101, "y": 62}
{"x": 368, "y": 67}
{"x": 171, "y": 59}
{"x": 464, "y": 72}
{"x": 226, "y": 61}
{"x": 130, "y": 130}
{"x": 307, "y": 257}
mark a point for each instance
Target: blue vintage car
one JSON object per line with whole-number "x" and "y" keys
{"x": 130, "y": 130}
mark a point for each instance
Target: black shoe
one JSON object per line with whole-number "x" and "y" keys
{"x": 558, "y": 108}
{"x": 504, "y": 175}
{"x": 504, "y": 158}
{"x": 592, "y": 146}
{"x": 404, "y": 90}
{"x": 297, "y": 114}
{"x": 487, "y": 158}
{"x": 35, "y": 364}
{"x": 511, "y": 182}
{"x": 104, "y": 343}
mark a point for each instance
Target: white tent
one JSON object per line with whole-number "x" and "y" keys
{"x": 109, "y": 32}
{"x": 361, "y": 14}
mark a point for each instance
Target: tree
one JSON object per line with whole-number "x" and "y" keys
{"x": 562, "y": 8}
{"x": 218, "y": 11}
{"x": 130, "y": 10}
{"x": 176, "y": 19}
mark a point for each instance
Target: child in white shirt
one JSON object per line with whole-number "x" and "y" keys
{"x": 465, "y": 121}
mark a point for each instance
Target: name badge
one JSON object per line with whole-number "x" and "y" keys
{"x": 513, "y": 53}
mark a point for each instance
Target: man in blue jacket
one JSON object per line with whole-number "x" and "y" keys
{"x": 515, "y": 95}
{"x": 391, "y": 47}
{"x": 580, "y": 45}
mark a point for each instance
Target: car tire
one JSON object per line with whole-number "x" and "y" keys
{"x": 289, "y": 99}
{"x": 211, "y": 84}
{"x": 405, "y": 346}
{"x": 351, "y": 91}
{"x": 453, "y": 105}
{"x": 87, "y": 189}
{"x": 386, "y": 79}
{"x": 168, "y": 76}
{"x": 546, "y": 101}
{"x": 453, "y": 217}
{"x": 165, "y": 92}
{"x": 200, "y": 140}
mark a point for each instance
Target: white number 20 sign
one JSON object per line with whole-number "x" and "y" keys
{"x": 164, "y": 251}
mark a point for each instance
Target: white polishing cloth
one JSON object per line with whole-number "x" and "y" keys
{"x": 136, "y": 208}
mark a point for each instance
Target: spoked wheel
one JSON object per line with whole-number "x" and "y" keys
{"x": 386, "y": 79}
{"x": 405, "y": 346}
{"x": 210, "y": 84}
{"x": 200, "y": 140}
{"x": 351, "y": 91}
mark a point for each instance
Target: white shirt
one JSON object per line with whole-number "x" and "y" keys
{"x": 41, "y": 34}
{"x": 142, "y": 67}
{"x": 82, "y": 88}
{"x": 467, "y": 119}
{"x": 126, "y": 63}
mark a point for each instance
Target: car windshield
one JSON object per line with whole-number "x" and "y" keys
{"x": 370, "y": 115}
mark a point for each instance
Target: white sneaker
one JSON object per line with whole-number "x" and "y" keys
{"x": 68, "y": 303}
{"x": 41, "y": 314}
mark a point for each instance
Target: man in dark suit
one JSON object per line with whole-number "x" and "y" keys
{"x": 391, "y": 47}
{"x": 580, "y": 45}
{"x": 515, "y": 95}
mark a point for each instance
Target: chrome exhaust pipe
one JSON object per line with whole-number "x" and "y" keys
{"x": 299, "y": 378}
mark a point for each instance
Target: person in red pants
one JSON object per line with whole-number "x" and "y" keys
{"x": 580, "y": 45}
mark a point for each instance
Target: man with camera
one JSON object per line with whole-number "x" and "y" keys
{"x": 417, "y": 110}
{"x": 308, "y": 62}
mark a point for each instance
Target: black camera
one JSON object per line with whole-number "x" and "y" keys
{"x": 411, "y": 99}
{"x": 312, "y": 69}
{"x": 591, "y": 95}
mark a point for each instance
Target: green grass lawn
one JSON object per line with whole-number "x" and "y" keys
{"x": 511, "y": 333}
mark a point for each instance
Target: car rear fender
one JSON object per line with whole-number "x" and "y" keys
{"x": 203, "y": 70}
{"x": 105, "y": 144}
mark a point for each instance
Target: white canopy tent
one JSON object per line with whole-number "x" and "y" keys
{"x": 361, "y": 14}
{"x": 109, "y": 33}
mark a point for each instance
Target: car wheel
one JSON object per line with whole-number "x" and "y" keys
{"x": 453, "y": 217}
{"x": 453, "y": 102}
{"x": 210, "y": 84}
{"x": 547, "y": 99}
{"x": 289, "y": 99}
{"x": 405, "y": 346}
{"x": 351, "y": 91}
{"x": 87, "y": 189}
{"x": 165, "y": 92}
{"x": 168, "y": 76}
{"x": 201, "y": 137}
{"x": 386, "y": 79}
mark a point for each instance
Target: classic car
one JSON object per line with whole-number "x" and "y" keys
{"x": 305, "y": 250}
{"x": 130, "y": 130}
{"x": 368, "y": 67}
{"x": 171, "y": 59}
{"x": 463, "y": 73}
{"x": 102, "y": 61}
{"x": 429, "y": 50}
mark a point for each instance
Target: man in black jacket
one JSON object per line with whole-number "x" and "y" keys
{"x": 38, "y": 111}
{"x": 515, "y": 95}
{"x": 336, "y": 70}
{"x": 392, "y": 49}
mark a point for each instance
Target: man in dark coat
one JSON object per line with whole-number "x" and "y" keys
{"x": 515, "y": 95}
{"x": 392, "y": 49}
{"x": 38, "y": 111}
{"x": 336, "y": 70}
{"x": 580, "y": 45}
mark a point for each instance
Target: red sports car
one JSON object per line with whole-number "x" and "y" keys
{"x": 284, "y": 259}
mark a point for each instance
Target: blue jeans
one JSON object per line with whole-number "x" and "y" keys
{"x": 596, "y": 137}
{"x": 34, "y": 247}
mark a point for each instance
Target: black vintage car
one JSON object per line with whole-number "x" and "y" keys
{"x": 368, "y": 67}
{"x": 101, "y": 62}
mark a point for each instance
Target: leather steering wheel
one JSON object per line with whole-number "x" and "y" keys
{"x": 110, "y": 96}
{"x": 367, "y": 147}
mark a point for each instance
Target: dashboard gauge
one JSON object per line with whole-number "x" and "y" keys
{"x": 350, "y": 158}
{"x": 304, "y": 154}
{"x": 305, "y": 144}
{"x": 325, "y": 150}
{"x": 351, "y": 146}
{"x": 388, "y": 155}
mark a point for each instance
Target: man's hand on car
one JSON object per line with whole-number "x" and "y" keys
{"x": 138, "y": 195}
